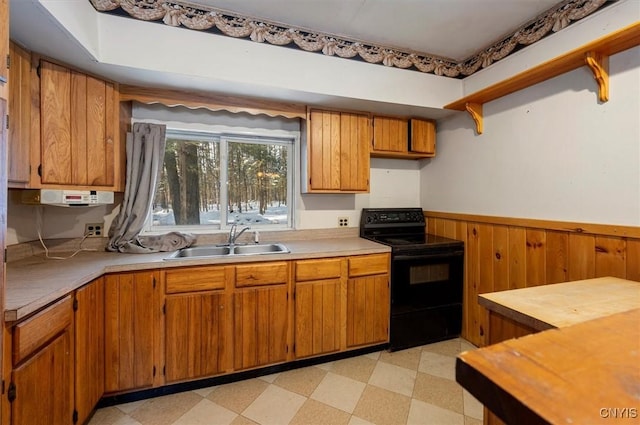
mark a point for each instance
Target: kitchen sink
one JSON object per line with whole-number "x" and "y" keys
{"x": 227, "y": 251}
{"x": 269, "y": 248}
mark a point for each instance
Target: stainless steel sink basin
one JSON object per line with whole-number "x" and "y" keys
{"x": 201, "y": 251}
{"x": 270, "y": 248}
{"x": 227, "y": 251}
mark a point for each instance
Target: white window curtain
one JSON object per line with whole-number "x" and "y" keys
{"x": 145, "y": 156}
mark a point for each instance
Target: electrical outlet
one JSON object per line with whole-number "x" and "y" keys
{"x": 94, "y": 230}
{"x": 343, "y": 221}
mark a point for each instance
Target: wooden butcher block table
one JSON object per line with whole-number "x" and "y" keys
{"x": 584, "y": 368}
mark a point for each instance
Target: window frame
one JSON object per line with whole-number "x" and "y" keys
{"x": 223, "y": 136}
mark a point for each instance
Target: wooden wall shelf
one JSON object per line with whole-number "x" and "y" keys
{"x": 594, "y": 54}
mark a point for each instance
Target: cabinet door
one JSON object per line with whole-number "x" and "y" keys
{"x": 367, "y": 310}
{"x": 196, "y": 335}
{"x": 317, "y": 315}
{"x": 260, "y": 326}
{"x": 78, "y": 125}
{"x": 43, "y": 385}
{"x": 133, "y": 313}
{"x": 390, "y": 134}
{"x": 20, "y": 111}
{"x": 55, "y": 112}
{"x": 4, "y": 47}
{"x": 355, "y": 136}
{"x": 423, "y": 136}
{"x": 89, "y": 347}
{"x": 324, "y": 150}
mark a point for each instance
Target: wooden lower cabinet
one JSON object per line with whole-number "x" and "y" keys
{"x": 318, "y": 306}
{"x": 41, "y": 386}
{"x": 368, "y": 300}
{"x": 260, "y": 326}
{"x": 196, "y": 335}
{"x": 133, "y": 331}
{"x": 89, "y": 347}
{"x": 367, "y": 310}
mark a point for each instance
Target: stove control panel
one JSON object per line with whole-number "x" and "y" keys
{"x": 392, "y": 216}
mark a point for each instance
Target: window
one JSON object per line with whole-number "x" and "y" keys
{"x": 209, "y": 181}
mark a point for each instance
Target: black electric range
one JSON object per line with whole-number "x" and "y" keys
{"x": 426, "y": 276}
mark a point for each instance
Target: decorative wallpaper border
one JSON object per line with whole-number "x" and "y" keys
{"x": 178, "y": 13}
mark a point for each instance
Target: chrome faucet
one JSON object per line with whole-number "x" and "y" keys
{"x": 233, "y": 236}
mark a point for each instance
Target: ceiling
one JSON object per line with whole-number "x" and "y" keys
{"x": 452, "y": 29}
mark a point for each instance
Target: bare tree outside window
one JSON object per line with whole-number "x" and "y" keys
{"x": 190, "y": 191}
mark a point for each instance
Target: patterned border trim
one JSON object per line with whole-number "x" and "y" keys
{"x": 178, "y": 13}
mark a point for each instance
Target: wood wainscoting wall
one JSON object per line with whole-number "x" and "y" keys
{"x": 506, "y": 253}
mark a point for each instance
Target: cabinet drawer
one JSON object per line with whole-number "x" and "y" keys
{"x": 330, "y": 268}
{"x": 194, "y": 279}
{"x": 365, "y": 265}
{"x": 261, "y": 274}
{"x": 33, "y": 333}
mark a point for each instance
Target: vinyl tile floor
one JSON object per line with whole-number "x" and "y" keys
{"x": 414, "y": 386}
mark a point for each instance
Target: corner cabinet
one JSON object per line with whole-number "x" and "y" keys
{"x": 133, "y": 331}
{"x": 403, "y": 138}
{"x": 65, "y": 127}
{"x": 335, "y": 152}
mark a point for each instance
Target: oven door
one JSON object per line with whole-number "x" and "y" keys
{"x": 426, "y": 298}
{"x": 427, "y": 280}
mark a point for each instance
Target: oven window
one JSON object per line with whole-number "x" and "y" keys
{"x": 428, "y": 273}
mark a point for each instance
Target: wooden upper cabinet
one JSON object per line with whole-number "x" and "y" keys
{"x": 79, "y": 119}
{"x": 423, "y": 136}
{"x": 4, "y": 48}
{"x": 390, "y": 134}
{"x": 19, "y": 148}
{"x": 403, "y": 138}
{"x": 337, "y": 152}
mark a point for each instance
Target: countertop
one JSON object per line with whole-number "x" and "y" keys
{"x": 564, "y": 304}
{"x": 35, "y": 282}
{"x": 588, "y": 373}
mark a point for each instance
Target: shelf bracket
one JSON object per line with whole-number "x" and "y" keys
{"x": 599, "y": 65}
{"x": 475, "y": 110}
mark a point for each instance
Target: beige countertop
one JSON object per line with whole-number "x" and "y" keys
{"x": 563, "y": 304}
{"x": 35, "y": 282}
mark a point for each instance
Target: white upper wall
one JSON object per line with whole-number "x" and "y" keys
{"x": 551, "y": 151}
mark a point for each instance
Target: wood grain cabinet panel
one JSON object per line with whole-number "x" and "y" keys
{"x": 41, "y": 389}
{"x": 20, "y": 111}
{"x": 368, "y": 310}
{"x": 89, "y": 347}
{"x": 4, "y": 48}
{"x": 317, "y": 317}
{"x": 390, "y": 134}
{"x": 79, "y": 121}
{"x": 364, "y": 265}
{"x": 257, "y": 274}
{"x": 196, "y": 335}
{"x": 423, "y": 136}
{"x": 194, "y": 279}
{"x": 44, "y": 385}
{"x": 337, "y": 146}
{"x": 133, "y": 316}
{"x": 260, "y": 326}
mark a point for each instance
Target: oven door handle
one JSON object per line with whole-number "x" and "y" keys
{"x": 427, "y": 256}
